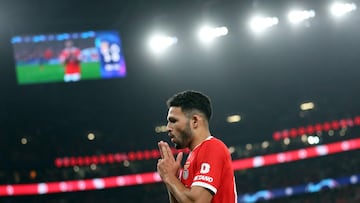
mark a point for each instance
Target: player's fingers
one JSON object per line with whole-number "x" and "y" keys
{"x": 161, "y": 149}
{"x": 169, "y": 152}
{"x": 164, "y": 148}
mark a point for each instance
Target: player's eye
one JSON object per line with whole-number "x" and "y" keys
{"x": 172, "y": 120}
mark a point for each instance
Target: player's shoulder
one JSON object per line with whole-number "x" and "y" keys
{"x": 212, "y": 147}
{"x": 214, "y": 142}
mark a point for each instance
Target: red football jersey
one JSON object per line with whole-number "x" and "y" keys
{"x": 71, "y": 58}
{"x": 209, "y": 165}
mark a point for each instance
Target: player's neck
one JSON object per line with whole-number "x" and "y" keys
{"x": 199, "y": 138}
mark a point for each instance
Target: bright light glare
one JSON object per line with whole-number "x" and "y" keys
{"x": 159, "y": 43}
{"x": 304, "y": 138}
{"x": 208, "y": 34}
{"x": 297, "y": 16}
{"x": 161, "y": 129}
{"x": 340, "y": 9}
{"x": 265, "y": 144}
{"x": 232, "y": 149}
{"x": 287, "y": 141}
{"x": 313, "y": 140}
{"x": 24, "y": 140}
{"x": 307, "y": 106}
{"x": 259, "y": 24}
{"x": 91, "y": 136}
{"x": 233, "y": 119}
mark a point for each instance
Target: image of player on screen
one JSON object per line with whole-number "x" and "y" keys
{"x": 70, "y": 56}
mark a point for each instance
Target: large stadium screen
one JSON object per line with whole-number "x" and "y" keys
{"x": 68, "y": 57}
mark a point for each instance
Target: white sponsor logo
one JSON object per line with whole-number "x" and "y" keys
{"x": 205, "y": 168}
{"x": 204, "y": 178}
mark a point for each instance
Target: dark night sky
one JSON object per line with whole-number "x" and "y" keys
{"x": 264, "y": 78}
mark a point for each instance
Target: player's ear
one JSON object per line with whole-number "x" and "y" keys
{"x": 195, "y": 120}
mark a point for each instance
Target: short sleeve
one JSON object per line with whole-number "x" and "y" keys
{"x": 209, "y": 165}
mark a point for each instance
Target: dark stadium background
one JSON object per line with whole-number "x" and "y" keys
{"x": 264, "y": 79}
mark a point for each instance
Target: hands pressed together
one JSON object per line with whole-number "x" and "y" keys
{"x": 167, "y": 166}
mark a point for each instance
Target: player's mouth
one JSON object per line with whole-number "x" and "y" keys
{"x": 172, "y": 138}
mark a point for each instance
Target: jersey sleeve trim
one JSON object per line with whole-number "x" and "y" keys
{"x": 205, "y": 185}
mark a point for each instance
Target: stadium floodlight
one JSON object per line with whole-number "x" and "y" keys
{"x": 307, "y": 106}
{"x": 159, "y": 43}
{"x": 297, "y": 16}
{"x": 208, "y": 34}
{"x": 233, "y": 119}
{"x": 24, "y": 140}
{"x": 340, "y": 9}
{"x": 313, "y": 140}
{"x": 91, "y": 136}
{"x": 161, "y": 129}
{"x": 259, "y": 24}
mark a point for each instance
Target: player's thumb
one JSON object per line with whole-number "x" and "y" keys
{"x": 179, "y": 157}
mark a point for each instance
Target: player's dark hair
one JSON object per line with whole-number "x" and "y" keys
{"x": 191, "y": 100}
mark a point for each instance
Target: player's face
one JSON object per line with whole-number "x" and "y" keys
{"x": 68, "y": 44}
{"x": 179, "y": 128}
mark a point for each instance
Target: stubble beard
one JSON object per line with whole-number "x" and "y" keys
{"x": 185, "y": 137}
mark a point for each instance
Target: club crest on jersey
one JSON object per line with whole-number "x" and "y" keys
{"x": 185, "y": 174}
